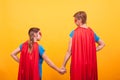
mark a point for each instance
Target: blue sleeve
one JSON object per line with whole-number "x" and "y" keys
{"x": 20, "y": 46}
{"x": 71, "y": 34}
{"x": 41, "y": 50}
{"x": 96, "y": 37}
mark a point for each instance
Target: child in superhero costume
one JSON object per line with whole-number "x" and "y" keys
{"x": 82, "y": 50}
{"x": 31, "y": 57}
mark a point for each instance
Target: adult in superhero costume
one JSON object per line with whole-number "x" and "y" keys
{"x": 82, "y": 50}
{"x": 31, "y": 57}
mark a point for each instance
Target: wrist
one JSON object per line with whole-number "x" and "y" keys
{"x": 63, "y": 66}
{"x": 57, "y": 69}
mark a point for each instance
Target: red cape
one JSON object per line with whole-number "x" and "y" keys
{"x": 29, "y": 63}
{"x": 83, "y": 59}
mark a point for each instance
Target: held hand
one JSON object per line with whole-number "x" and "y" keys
{"x": 62, "y": 71}
{"x": 63, "y": 68}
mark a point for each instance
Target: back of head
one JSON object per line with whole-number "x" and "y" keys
{"x": 81, "y": 15}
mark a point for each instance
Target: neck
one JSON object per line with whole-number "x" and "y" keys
{"x": 83, "y": 25}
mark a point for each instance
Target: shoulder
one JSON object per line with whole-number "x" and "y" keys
{"x": 23, "y": 44}
{"x": 97, "y": 38}
{"x": 71, "y": 33}
{"x": 41, "y": 49}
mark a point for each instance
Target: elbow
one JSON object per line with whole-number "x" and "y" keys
{"x": 11, "y": 55}
{"x": 103, "y": 44}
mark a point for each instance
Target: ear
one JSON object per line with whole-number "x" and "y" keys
{"x": 75, "y": 20}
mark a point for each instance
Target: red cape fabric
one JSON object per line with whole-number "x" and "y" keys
{"x": 83, "y": 59}
{"x": 29, "y": 63}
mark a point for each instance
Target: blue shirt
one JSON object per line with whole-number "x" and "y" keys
{"x": 41, "y": 52}
{"x": 95, "y": 36}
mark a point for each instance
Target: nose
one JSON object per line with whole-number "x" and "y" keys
{"x": 40, "y": 33}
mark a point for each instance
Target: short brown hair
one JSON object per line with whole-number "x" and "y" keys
{"x": 81, "y": 15}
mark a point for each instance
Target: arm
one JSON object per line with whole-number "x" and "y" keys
{"x": 14, "y": 54}
{"x": 101, "y": 44}
{"x": 68, "y": 54}
{"x": 51, "y": 64}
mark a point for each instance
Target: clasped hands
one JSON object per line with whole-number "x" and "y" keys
{"x": 62, "y": 70}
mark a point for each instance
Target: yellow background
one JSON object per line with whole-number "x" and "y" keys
{"x": 55, "y": 19}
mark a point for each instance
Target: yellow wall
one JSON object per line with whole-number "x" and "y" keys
{"x": 54, "y": 18}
